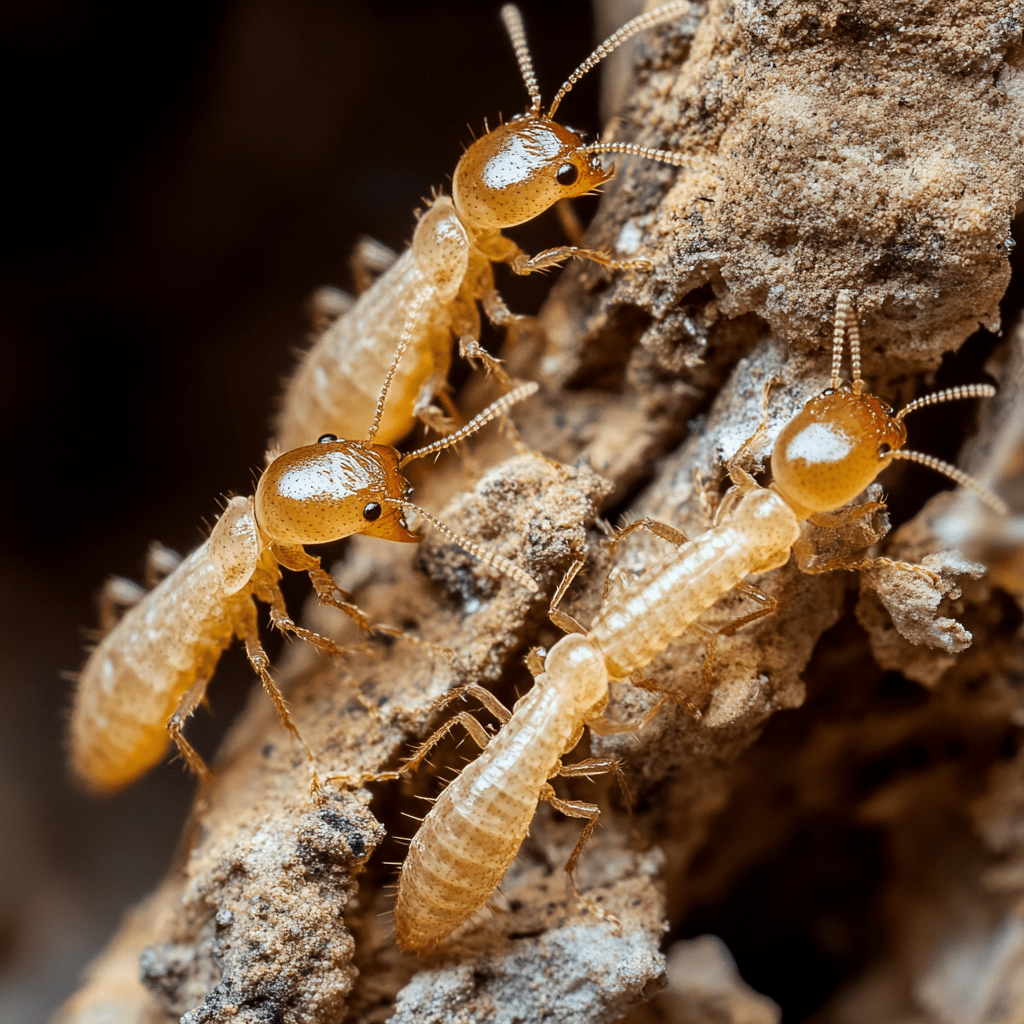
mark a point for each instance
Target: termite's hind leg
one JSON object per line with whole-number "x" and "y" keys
{"x": 368, "y": 261}
{"x": 190, "y": 700}
{"x": 160, "y": 563}
{"x": 591, "y": 812}
{"x": 769, "y": 605}
{"x": 116, "y": 596}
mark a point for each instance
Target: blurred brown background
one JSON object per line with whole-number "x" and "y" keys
{"x": 180, "y": 177}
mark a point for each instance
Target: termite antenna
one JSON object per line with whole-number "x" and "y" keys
{"x": 502, "y": 405}
{"x": 641, "y": 22}
{"x": 846, "y": 326}
{"x": 503, "y": 565}
{"x": 662, "y": 156}
{"x": 948, "y": 395}
{"x": 993, "y": 501}
{"x": 517, "y": 33}
{"x": 403, "y": 343}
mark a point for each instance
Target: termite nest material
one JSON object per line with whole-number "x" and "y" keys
{"x": 846, "y": 816}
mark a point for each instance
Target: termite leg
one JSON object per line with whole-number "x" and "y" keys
{"x": 841, "y": 517}
{"x": 745, "y": 452}
{"x": 598, "y": 766}
{"x": 368, "y": 261}
{"x": 116, "y": 596}
{"x": 261, "y": 666}
{"x": 563, "y": 620}
{"x": 569, "y": 221}
{"x": 160, "y": 563}
{"x": 579, "y": 809}
{"x": 769, "y": 605}
{"x": 325, "y": 305}
{"x": 870, "y": 563}
{"x": 477, "y": 733}
{"x": 524, "y": 264}
{"x": 641, "y": 682}
{"x": 190, "y": 700}
{"x": 283, "y": 621}
{"x": 654, "y": 526}
{"x": 471, "y": 351}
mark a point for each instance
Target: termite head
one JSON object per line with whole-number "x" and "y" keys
{"x": 841, "y": 440}
{"x": 330, "y": 490}
{"x": 831, "y": 450}
{"x": 517, "y": 171}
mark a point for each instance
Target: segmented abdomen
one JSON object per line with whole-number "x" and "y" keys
{"x": 639, "y": 623}
{"x": 136, "y": 676}
{"x": 474, "y": 830}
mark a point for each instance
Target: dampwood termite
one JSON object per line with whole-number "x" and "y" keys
{"x": 508, "y": 176}
{"x": 150, "y": 671}
{"x": 826, "y": 456}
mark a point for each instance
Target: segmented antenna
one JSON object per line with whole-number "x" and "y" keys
{"x": 517, "y": 33}
{"x": 846, "y": 325}
{"x": 643, "y": 21}
{"x": 992, "y": 500}
{"x": 664, "y": 156}
{"x": 503, "y": 565}
{"x": 403, "y": 343}
{"x": 496, "y": 408}
{"x": 948, "y": 395}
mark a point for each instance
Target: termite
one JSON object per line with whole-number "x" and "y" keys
{"x": 508, "y": 176}
{"x": 150, "y": 671}
{"x": 826, "y": 456}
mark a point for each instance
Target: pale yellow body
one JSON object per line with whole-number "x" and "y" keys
{"x": 474, "y": 830}
{"x": 135, "y": 679}
{"x": 824, "y": 458}
{"x": 150, "y": 671}
{"x": 433, "y": 286}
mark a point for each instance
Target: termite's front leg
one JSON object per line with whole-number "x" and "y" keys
{"x": 249, "y": 632}
{"x": 548, "y": 258}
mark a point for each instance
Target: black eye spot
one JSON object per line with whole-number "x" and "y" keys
{"x": 326, "y": 438}
{"x": 372, "y": 512}
{"x": 567, "y": 174}
{"x": 883, "y": 450}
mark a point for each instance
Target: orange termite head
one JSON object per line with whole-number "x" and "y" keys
{"x": 330, "y": 490}
{"x": 518, "y": 170}
{"x": 831, "y": 450}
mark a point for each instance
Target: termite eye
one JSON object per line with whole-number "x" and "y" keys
{"x": 372, "y": 512}
{"x": 567, "y": 174}
{"x": 883, "y": 450}
{"x": 326, "y": 438}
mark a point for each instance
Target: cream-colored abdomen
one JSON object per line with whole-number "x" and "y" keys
{"x": 474, "y": 830}
{"x": 136, "y": 676}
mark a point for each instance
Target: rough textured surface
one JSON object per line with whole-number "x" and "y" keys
{"x": 822, "y": 807}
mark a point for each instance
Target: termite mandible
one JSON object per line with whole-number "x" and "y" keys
{"x": 508, "y": 176}
{"x": 150, "y": 671}
{"x": 826, "y": 456}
